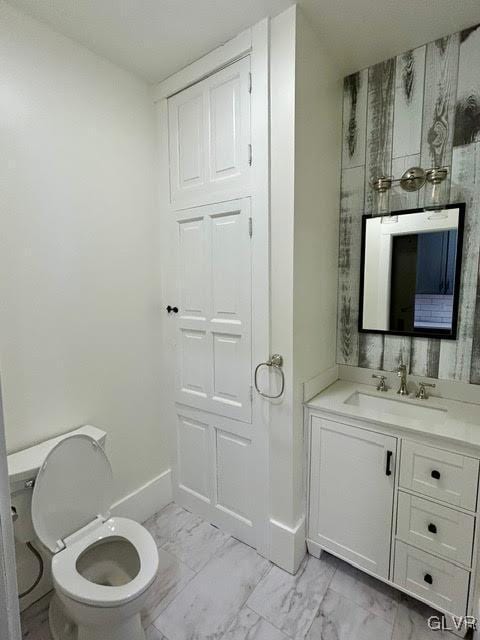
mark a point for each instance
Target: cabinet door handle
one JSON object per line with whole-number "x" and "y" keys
{"x": 388, "y": 469}
{"x": 435, "y": 474}
{"x": 428, "y": 578}
{"x": 432, "y": 528}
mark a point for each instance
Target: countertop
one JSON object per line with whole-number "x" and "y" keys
{"x": 459, "y": 422}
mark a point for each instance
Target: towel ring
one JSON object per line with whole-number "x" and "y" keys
{"x": 276, "y": 361}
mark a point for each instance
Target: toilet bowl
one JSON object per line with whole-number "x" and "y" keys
{"x": 102, "y": 566}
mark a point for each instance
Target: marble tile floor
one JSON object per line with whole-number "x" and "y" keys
{"x": 211, "y": 586}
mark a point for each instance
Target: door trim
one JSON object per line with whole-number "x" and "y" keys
{"x": 9, "y": 607}
{"x": 224, "y": 55}
{"x": 256, "y": 42}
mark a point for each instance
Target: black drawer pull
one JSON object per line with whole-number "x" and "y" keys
{"x": 432, "y": 528}
{"x": 170, "y": 309}
{"x": 388, "y": 468}
{"x": 428, "y": 578}
{"x": 435, "y": 474}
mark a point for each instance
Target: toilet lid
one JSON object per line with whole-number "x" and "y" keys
{"x": 73, "y": 487}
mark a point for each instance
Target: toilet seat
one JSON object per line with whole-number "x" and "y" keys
{"x": 70, "y": 513}
{"x": 70, "y": 582}
{"x": 73, "y": 487}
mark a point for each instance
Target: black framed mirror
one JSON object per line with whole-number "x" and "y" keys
{"x": 410, "y": 272}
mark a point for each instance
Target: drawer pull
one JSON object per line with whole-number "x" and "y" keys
{"x": 428, "y": 578}
{"x": 435, "y": 474}
{"x": 388, "y": 468}
{"x": 432, "y": 528}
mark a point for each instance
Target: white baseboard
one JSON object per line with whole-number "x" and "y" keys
{"x": 287, "y": 544}
{"x": 147, "y": 500}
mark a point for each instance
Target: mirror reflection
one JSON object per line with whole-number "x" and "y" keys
{"x": 411, "y": 272}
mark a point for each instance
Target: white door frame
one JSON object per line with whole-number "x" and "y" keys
{"x": 9, "y": 608}
{"x": 253, "y": 41}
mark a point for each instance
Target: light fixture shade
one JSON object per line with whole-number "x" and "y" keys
{"x": 382, "y": 186}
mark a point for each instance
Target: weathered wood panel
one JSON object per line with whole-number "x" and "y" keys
{"x": 409, "y": 87}
{"x": 381, "y": 92}
{"x": 354, "y": 119}
{"x": 351, "y": 210}
{"x": 413, "y": 114}
{"x": 467, "y": 109}
{"x": 456, "y": 356}
{"x": 397, "y": 349}
{"x": 441, "y": 72}
{"x": 425, "y": 357}
{"x": 475, "y": 367}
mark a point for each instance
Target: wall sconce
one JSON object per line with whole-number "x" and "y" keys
{"x": 412, "y": 180}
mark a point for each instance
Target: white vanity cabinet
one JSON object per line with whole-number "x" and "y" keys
{"x": 351, "y": 496}
{"x": 401, "y": 506}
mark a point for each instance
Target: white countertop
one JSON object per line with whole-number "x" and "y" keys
{"x": 460, "y": 424}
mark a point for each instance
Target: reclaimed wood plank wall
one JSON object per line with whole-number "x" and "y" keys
{"x": 420, "y": 108}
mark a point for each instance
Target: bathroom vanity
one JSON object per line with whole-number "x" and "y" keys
{"x": 393, "y": 487}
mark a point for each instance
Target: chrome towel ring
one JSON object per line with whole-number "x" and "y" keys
{"x": 276, "y": 361}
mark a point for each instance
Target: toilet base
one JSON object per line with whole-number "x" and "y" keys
{"x": 130, "y": 629}
{"x": 63, "y": 628}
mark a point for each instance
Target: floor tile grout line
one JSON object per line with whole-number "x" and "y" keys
{"x": 322, "y": 599}
{"x": 244, "y": 602}
{"x": 287, "y": 635}
{"x": 395, "y": 603}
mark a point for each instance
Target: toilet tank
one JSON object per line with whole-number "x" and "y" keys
{"x": 23, "y": 467}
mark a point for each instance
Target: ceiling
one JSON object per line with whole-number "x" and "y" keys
{"x": 155, "y": 38}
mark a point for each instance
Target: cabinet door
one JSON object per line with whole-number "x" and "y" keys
{"x": 209, "y": 138}
{"x": 351, "y": 493}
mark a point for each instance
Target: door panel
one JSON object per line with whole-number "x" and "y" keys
{"x": 214, "y": 319}
{"x": 216, "y": 471}
{"x": 351, "y": 494}
{"x": 193, "y": 457}
{"x": 234, "y": 491}
{"x": 225, "y": 123}
{"x": 209, "y": 137}
{"x": 194, "y": 379}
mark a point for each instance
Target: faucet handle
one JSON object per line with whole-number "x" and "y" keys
{"x": 382, "y": 384}
{"x": 422, "y": 393}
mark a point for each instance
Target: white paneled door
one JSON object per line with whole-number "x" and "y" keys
{"x": 215, "y": 443}
{"x": 213, "y": 319}
{"x": 209, "y": 138}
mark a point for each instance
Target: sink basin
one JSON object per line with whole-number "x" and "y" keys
{"x": 400, "y": 407}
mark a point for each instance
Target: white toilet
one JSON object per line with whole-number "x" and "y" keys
{"x": 102, "y": 567}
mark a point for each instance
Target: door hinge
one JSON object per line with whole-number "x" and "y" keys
{"x": 251, "y": 393}
{"x": 250, "y": 227}
{"x": 250, "y": 155}
{"x": 250, "y": 82}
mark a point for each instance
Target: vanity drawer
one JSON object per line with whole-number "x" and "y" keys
{"x": 439, "y": 582}
{"x": 443, "y": 475}
{"x": 435, "y": 528}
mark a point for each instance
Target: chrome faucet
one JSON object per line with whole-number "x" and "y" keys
{"x": 402, "y": 374}
{"x": 422, "y": 392}
{"x": 382, "y": 385}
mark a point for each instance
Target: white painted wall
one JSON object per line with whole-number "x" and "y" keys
{"x": 306, "y": 94}
{"x": 80, "y": 322}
